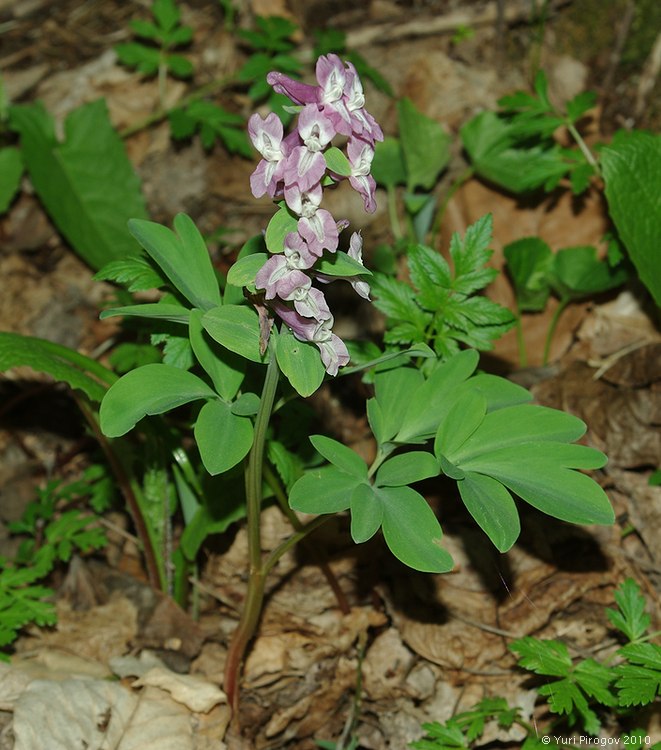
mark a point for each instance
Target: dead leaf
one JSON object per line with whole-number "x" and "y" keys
{"x": 194, "y": 692}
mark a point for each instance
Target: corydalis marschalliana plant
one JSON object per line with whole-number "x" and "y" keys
{"x": 297, "y": 167}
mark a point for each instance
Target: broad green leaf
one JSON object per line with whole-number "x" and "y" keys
{"x": 247, "y": 405}
{"x": 300, "y": 362}
{"x": 325, "y": 490}
{"x": 282, "y": 223}
{"x": 632, "y": 171}
{"x": 529, "y": 261}
{"x": 233, "y": 295}
{"x": 541, "y": 474}
{"x": 337, "y": 162}
{"x": 166, "y": 13}
{"x": 366, "y": 512}
{"x": 376, "y": 420}
{"x": 340, "y": 456}
{"x": 492, "y": 507}
{"x": 425, "y": 146}
{"x": 136, "y": 55}
{"x": 394, "y": 390}
{"x": 464, "y": 416}
{"x": 225, "y": 368}
{"x": 222, "y": 437}
{"x": 514, "y": 425}
{"x": 236, "y": 327}
{"x": 243, "y": 272}
{"x": 388, "y": 167}
{"x": 153, "y": 310}
{"x": 577, "y": 272}
{"x": 61, "y": 363}
{"x": 87, "y": 184}
{"x": 183, "y": 257}
{"x": 412, "y": 531}
{"x": 179, "y": 66}
{"x": 489, "y": 141}
{"x": 430, "y": 402}
{"x": 152, "y": 389}
{"x": 11, "y": 170}
{"x": 499, "y": 392}
{"x": 340, "y": 264}
{"x": 407, "y": 468}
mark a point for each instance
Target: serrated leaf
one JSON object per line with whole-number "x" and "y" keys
{"x": 166, "y": 13}
{"x": 429, "y": 272}
{"x": 137, "y": 55}
{"x": 58, "y": 361}
{"x": 87, "y": 184}
{"x": 340, "y": 456}
{"x": 630, "y": 617}
{"x": 179, "y": 66}
{"x": 183, "y": 257}
{"x": 545, "y": 657}
{"x": 152, "y": 389}
{"x": 133, "y": 272}
{"x": 223, "y": 438}
{"x": 631, "y": 167}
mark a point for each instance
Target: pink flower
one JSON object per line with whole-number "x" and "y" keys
{"x": 355, "y": 251}
{"x": 360, "y": 154}
{"x": 266, "y": 136}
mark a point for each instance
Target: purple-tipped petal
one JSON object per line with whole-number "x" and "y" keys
{"x": 266, "y": 177}
{"x": 355, "y": 251}
{"x": 303, "y": 203}
{"x": 311, "y": 303}
{"x": 297, "y": 252}
{"x": 334, "y": 354}
{"x": 315, "y": 129}
{"x": 299, "y": 93}
{"x": 266, "y": 135}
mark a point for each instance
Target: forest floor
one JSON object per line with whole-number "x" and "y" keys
{"x": 414, "y": 647}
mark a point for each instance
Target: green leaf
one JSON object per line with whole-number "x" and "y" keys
{"x": 11, "y": 171}
{"x": 337, "y": 162}
{"x": 529, "y": 261}
{"x": 394, "y": 389}
{"x": 492, "y": 507}
{"x": 243, "y": 272}
{"x": 61, "y": 363}
{"x": 87, "y": 184}
{"x": 630, "y": 617}
{"x": 639, "y": 682}
{"x": 340, "y": 264}
{"x": 137, "y": 55}
{"x": 340, "y": 456}
{"x": 183, "y": 257}
{"x": 499, "y": 392}
{"x": 631, "y": 167}
{"x": 166, "y": 13}
{"x": 145, "y": 29}
{"x": 407, "y": 468}
{"x": 412, "y": 531}
{"x": 388, "y": 168}
{"x": 247, "y": 405}
{"x": 325, "y": 490}
{"x": 152, "y": 389}
{"x": 366, "y": 512}
{"x": 546, "y": 657}
{"x": 576, "y": 272}
{"x": 223, "y": 438}
{"x": 282, "y": 223}
{"x": 425, "y": 409}
{"x": 134, "y": 272}
{"x": 425, "y": 146}
{"x": 300, "y": 362}
{"x": 236, "y": 327}
{"x": 152, "y": 310}
{"x": 489, "y": 142}
{"x": 464, "y": 416}
{"x": 429, "y": 272}
{"x": 225, "y": 368}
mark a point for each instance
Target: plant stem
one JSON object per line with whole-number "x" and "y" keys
{"x": 275, "y": 484}
{"x": 549, "y": 334}
{"x": 589, "y": 156}
{"x": 252, "y": 607}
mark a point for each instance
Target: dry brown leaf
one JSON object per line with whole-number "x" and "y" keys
{"x": 194, "y": 692}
